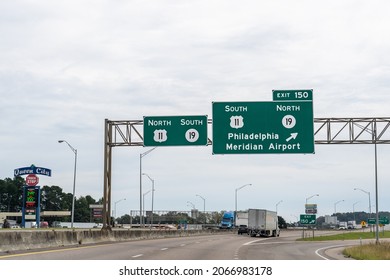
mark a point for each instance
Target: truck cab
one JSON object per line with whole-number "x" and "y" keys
{"x": 227, "y": 221}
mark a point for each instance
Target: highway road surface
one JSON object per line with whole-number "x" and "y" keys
{"x": 226, "y": 246}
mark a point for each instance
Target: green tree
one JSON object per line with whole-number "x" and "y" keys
{"x": 216, "y": 217}
{"x": 53, "y": 199}
{"x": 282, "y": 222}
{"x": 11, "y": 194}
{"x": 82, "y": 213}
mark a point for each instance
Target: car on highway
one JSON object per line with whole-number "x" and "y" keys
{"x": 242, "y": 229}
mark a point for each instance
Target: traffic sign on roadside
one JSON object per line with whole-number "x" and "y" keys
{"x": 307, "y": 219}
{"x": 382, "y": 221}
{"x": 175, "y": 130}
{"x": 284, "y": 127}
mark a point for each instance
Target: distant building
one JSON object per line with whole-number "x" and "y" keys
{"x": 331, "y": 220}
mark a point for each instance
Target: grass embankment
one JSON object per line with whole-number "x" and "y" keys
{"x": 347, "y": 235}
{"x": 370, "y": 251}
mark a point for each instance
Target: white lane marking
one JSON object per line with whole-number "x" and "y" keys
{"x": 258, "y": 240}
{"x": 137, "y": 256}
{"x": 236, "y": 255}
{"x": 325, "y": 248}
{"x": 163, "y": 249}
{"x": 182, "y": 245}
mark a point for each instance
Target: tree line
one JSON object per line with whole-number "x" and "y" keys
{"x": 53, "y": 198}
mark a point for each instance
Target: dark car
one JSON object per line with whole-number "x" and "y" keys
{"x": 242, "y": 229}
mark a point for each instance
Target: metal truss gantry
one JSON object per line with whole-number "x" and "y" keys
{"x": 326, "y": 131}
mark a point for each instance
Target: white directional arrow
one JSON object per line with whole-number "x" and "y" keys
{"x": 293, "y": 136}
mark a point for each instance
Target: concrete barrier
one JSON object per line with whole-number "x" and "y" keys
{"x": 12, "y": 240}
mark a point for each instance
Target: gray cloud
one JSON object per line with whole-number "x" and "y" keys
{"x": 66, "y": 66}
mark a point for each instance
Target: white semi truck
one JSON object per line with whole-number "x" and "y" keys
{"x": 241, "y": 222}
{"x": 262, "y": 222}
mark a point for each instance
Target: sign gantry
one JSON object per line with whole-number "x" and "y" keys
{"x": 326, "y": 131}
{"x": 125, "y": 133}
{"x": 285, "y": 125}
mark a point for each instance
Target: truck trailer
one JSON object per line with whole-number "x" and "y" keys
{"x": 262, "y": 222}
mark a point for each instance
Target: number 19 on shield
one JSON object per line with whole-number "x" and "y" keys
{"x": 192, "y": 135}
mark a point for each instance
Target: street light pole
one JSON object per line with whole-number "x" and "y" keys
{"x": 193, "y": 205}
{"x": 373, "y": 133}
{"x": 353, "y": 210}
{"x": 143, "y": 201}
{"x": 277, "y": 206}
{"x": 116, "y": 202}
{"x": 204, "y": 207}
{"x": 235, "y": 208}
{"x": 296, "y": 217}
{"x": 311, "y": 197}
{"x": 277, "y": 219}
{"x": 336, "y": 204}
{"x": 376, "y": 194}
{"x": 307, "y": 199}
{"x": 151, "y": 218}
{"x": 74, "y": 178}
{"x": 140, "y": 184}
{"x": 369, "y": 199}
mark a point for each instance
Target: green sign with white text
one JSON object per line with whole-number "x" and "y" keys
{"x": 276, "y": 127}
{"x": 307, "y": 219}
{"x": 175, "y": 131}
{"x": 382, "y": 220}
{"x": 296, "y": 94}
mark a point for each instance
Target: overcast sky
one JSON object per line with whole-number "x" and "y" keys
{"x": 65, "y": 66}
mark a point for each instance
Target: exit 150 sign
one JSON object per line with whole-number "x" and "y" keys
{"x": 307, "y": 219}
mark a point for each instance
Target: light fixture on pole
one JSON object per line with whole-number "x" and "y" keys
{"x": 116, "y": 202}
{"x": 296, "y": 218}
{"x": 74, "y": 179}
{"x": 204, "y": 207}
{"x": 140, "y": 184}
{"x": 353, "y": 210}
{"x": 311, "y": 197}
{"x": 143, "y": 201}
{"x": 336, "y": 205}
{"x": 375, "y": 137}
{"x": 312, "y": 208}
{"x": 151, "y": 218}
{"x": 193, "y": 205}
{"x": 369, "y": 199}
{"x": 235, "y": 197}
{"x": 277, "y": 206}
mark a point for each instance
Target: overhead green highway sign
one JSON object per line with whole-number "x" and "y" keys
{"x": 295, "y": 94}
{"x": 277, "y": 127}
{"x": 175, "y": 130}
